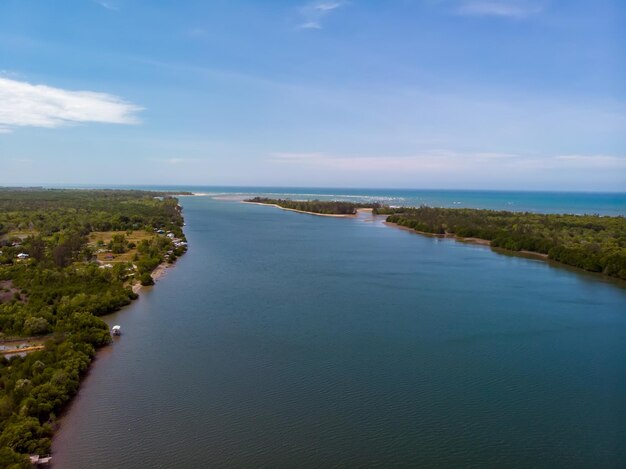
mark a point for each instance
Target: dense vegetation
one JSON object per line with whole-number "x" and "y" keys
{"x": 331, "y": 207}
{"x": 60, "y": 287}
{"x": 82, "y": 211}
{"x": 591, "y": 242}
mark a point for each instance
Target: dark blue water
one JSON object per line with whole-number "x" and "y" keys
{"x": 290, "y": 340}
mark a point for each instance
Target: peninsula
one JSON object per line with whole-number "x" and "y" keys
{"x": 67, "y": 257}
{"x": 332, "y": 208}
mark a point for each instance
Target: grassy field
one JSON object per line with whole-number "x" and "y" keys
{"x": 21, "y": 234}
{"x": 106, "y": 236}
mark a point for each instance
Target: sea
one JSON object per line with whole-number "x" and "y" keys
{"x": 289, "y": 340}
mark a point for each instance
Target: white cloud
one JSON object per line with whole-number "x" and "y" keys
{"x": 24, "y": 104}
{"x": 501, "y": 8}
{"x": 312, "y": 14}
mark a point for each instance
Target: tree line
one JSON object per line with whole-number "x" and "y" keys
{"x": 326, "y": 207}
{"x": 591, "y": 242}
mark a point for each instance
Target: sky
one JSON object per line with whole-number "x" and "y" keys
{"x": 446, "y": 94}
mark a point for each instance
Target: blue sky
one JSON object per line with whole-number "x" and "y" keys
{"x": 491, "y": 94}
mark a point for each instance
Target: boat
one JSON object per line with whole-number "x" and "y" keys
{"x": 116, "y": 330}
{"x": 37, "y": 460}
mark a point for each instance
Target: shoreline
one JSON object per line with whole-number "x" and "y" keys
{"x": 332, "y": 215}
{"x": 479, "y": 242}
{"x": 158, "y": 272}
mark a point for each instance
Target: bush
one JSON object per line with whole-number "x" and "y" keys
{"x": 146, "y": 279}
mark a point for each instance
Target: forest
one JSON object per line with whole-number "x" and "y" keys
{"x": 590, "y": 242}
{"x": 330, "y": 207}
{"x": 54, "y": 285}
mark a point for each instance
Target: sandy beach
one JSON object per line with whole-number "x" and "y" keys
{"x": 303, "y": 211}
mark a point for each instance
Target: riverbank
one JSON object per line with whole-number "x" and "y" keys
{"x": 460, "y": 239}
{"x": 156, "y": 274}
{"x": 487, "y": 243}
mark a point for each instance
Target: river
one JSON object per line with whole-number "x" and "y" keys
{"x": 290, "y": 340}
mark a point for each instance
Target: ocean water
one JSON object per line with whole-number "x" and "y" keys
{"x": 541, "y": 202}
{"x": 290, "y": 340}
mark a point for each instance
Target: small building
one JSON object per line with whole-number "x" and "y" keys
{"x": 23, "y": 255}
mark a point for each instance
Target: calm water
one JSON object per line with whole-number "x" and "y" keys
{"x": 289, "y": 340}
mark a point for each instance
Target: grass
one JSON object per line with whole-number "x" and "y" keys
{"x": 21, "y": 234}
{"x": 106, "y": 236}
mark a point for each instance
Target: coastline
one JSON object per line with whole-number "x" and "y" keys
{"x": 477, "y": 241}
{"x": 333, "y": 215}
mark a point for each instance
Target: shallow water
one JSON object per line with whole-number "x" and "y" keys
{"x": 284, "y": 339}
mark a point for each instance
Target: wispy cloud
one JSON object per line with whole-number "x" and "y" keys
{"x": 429, "y": 161}
{"x": 310, "y": 25}
{"x": 197, "y": 32}
{"x": 500, "y": 8}
{"x": 107, "y": 5}
{"x": 179, "y": 160}
{"x": 593, "y": 161}
{"x": 312, "y": 14}
{"x": 25, "y": 104}
{"x": 447, "y": 162}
